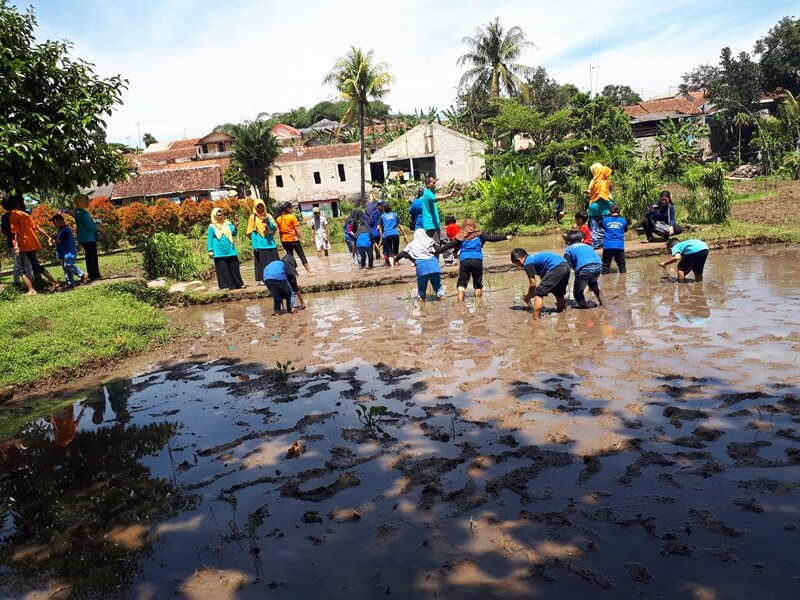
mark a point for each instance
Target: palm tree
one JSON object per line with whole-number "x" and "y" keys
{"x": 740, "y": 120}
{"x": 255, "y": 149}
{"x": 358, "y": 78}
{"x": 790, "y": 111}
{"x": 491, "y": 61}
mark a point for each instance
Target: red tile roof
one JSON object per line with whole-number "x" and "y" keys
{"x": 171, "y": 155}
{"x": 319, "y": 152}
{"x": 662, "y": 105}
{"x": 190, "y": 143}
{"x": 283, "y": 130}
{"x": 169, "y": 181}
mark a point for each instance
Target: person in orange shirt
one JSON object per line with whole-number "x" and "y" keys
{"x": 25, "y": 243}
{"x": 291, "y": 236}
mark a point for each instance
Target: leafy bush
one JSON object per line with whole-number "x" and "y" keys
{"x": 710, "y": 199}
{"x": 165, "y": 215}
{"x": 169, "y": 255}
{"x": 637, "y": 189}
{"x": 110, "y": 230}
{"x": 136, "y": 222}
{"x": 514, "y": 195}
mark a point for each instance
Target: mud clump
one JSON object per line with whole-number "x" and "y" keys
{"x": 638, "y": 572}
{"x": 310, "y": 517}
{"x": 748, "y": 504}
{"x": 711, "y": 522}
{"x": 344, "y": 515}
{"x": 746, "y": 454}
{"x": 771, "y": 486}
{"x": 344, "y": 481}
{"x": 591, "y": 467}
{"x": 676, "y": 413}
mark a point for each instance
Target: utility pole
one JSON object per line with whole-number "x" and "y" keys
{"x": 139, "y": 138}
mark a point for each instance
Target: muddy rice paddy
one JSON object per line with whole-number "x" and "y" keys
{"x": 645, "y": 450}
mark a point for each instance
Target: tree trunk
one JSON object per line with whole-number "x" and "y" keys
{"x": 361, "y": 136}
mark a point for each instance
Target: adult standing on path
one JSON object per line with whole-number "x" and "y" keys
{"x": 221, "y": 248}
{"x": 261, "y": 228}
{"x": 319, "y": 227}
{"x": 87, "y": 235}
{"x": 430, "y": 210}
{"x": 291, "y": 236}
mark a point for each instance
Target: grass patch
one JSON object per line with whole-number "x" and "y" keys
{"x": 739, "y": 230}
{"x": 44, "y": 335}
{"x": 756, "y": 196}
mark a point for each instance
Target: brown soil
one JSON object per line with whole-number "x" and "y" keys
{"x": 779, "y": 208}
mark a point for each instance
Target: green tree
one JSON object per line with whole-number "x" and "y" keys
{"x": 779, "y": 53}
{"x": 148, "y": 139}
{"x": 677, "y": 141}
{"x": 358, "y": 78}
{"x": 491, "y": 61}
{"x": 621, "y": 95}
{"x": 52, "y": 132}
{"x": 699, "y": 79}
{"x": 545, "y": 93}
{"x": 255, "y": 150}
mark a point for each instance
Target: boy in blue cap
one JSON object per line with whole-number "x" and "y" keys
{"x": 553, "y": 273}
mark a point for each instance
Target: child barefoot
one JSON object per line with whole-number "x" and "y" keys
{"x": 584, "y": 260}
{"x": 423, "y": 253}
{"x": 553, "y": 273}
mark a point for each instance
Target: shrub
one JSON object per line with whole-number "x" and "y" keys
{"x": 136, "y": 222}
{"x": 710, "y": 199}
{"x": 110, "y": 230}
{"x": 169, "y": 255}
{"x": 165, "y": 215}
{"x": 515, "y": 194}
{"x": 637, "y": 190}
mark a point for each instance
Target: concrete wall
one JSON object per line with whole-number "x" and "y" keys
{"x": 298, "y": 178}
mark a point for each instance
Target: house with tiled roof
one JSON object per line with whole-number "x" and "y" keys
{"x": 196, "y": 181}
{"x": 321, "y": 175}
{"x": 648, "y": 114}
{"x": 287, "y": 135}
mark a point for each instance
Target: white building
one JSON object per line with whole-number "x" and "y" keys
{"x": 429, "y": 149}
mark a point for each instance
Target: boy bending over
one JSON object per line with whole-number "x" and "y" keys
{"x": 553, "y": 272}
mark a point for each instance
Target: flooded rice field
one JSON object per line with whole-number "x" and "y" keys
{"x": 369, "y": 447}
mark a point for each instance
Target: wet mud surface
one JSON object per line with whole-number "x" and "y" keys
{"x": 649, "y": 449}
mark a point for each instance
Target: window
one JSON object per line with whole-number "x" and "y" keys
{"x": 220, "y": 147}
{"x": 317, "y": 178}
{"x": 279, "y": 180}
{"x": 340, "y": 168}
{"x": 205, "y": 149}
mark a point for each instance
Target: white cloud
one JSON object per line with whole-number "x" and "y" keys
{"x": 192, "y": 65}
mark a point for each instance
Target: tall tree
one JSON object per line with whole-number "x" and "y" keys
{"x": 621, "y": 95}
{"x": 491, "y": 61}
{"x": 780, "y": 56}
{"x": 148, "y": 138}
{"x": 255, "y": 150}
{"x": 358, "y": 78}
{"x": 52, "y": 129}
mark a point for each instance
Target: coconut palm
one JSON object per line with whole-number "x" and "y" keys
{"x": 255, "y": 149}
{"x": 358, "y": 78}
{"x": 491, "y": 59}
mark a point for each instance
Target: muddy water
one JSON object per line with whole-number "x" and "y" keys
{"x": 648, "y": 449}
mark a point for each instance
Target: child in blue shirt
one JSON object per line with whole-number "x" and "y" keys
{"x": 67, "y": 251}
{"x": 553, "y": 273}
{"x": 614, "y": 227}
{"x": 364, "y": 245}
{"x": 423, "y": 253}
{"x": 276, "y": 277}
{"x": 584, "y": 260}
{"x": 390, "y": 230}
{"x": 690, "y": 255}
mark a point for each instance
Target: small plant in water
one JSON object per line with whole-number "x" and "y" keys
{"x": 283, "y": 370}
{"x": 371, "y": 416}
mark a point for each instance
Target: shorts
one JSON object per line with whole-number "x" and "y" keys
{"x": 470, "y": 267}
{"x": 554, "y": 282}
{"x": 322, "y": 244}
{"x": 28, "y": 262}
{"x": 694, "y": 262}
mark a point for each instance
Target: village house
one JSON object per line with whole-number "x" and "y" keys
{"x": 429, "y": 149}
{"x": 647, "y": 115}
{"x": 321, "y": 175}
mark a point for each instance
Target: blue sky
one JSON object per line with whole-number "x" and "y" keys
{"x": 193, "y": 64}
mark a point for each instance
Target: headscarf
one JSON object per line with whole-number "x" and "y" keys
{"x": 257, "y": 223}
{"x": 600, "y": 186}
{"x": 356, "y": 218}
{"x": 362, "y": 228}
{"x": 220, "y": 230}
{"x": 421, "y": 247}
{"x": 469, "y": 231}
{"x": 290, "y": 265}
{"x": 82, "y": 201}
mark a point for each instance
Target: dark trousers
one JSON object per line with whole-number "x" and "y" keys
{"x": 363, "y": 254}
{"x": 292, "y": 247}
{"x": 228, "y": 275}
{"x": 281, "y": 291}
{"x": 617, "y": 255}
{"x": 92, "y": 264}
{"x": 261, "y": 258}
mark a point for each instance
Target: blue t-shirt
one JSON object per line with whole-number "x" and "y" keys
{"x": 614, "y": 228}
{"x": 415, "y": 212}
{"x": 688, "y": 247}
{"x": 275, "y": 270}
{"x": 363, "y": 241}
{"x": 65, "y": 243}
{"x": 581, "y": 255}
{"x": 389, "y": 221}
{"x": 426, "y": 266}
{"x": 542, "y": 262}
{"x": 471, "y": 249}
{"x": 430, "y": 211}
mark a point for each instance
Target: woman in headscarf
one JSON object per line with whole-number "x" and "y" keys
{"x": 423, "y": 253}
{"x": 261, "y": 228}
{"x": 470, "y": 240}
{"x": 599, "y": 202}
{"x": 86, "y": 234}
{"x": 221, "y": 247}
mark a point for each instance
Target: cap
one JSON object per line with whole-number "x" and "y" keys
{"x": 381, "y": 201}
{"x": 232, "y": 194}
{"x": 315, "y": 209}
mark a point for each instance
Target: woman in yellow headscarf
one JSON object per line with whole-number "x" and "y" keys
{"x": 599, "y": 202}
{"x": 221, "y": 247}
{"x": 261, "y": 228}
